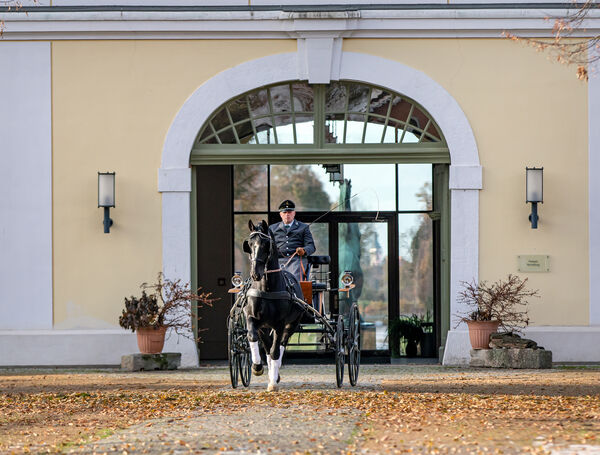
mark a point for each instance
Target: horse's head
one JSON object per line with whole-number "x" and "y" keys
{"x": 259, "y": 246}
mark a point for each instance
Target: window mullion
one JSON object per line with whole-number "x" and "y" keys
{"x": 272, "y": 115}
{"x": 367, "y": 116}
{"x": 293, "y": 114}
{"x": 251, "y": 120}
{"x": 346, "y": 111}
{"x": 387, "y": 118}
{"x": 412, "y": 107}
{"x": 237, "y": 139}
{"x": 425, "y": 130}
{"x": 319, "y": 115}
{"x": 214, "y": 131}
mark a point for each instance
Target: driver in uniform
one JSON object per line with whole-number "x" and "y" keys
{"x": 292, "y": 236}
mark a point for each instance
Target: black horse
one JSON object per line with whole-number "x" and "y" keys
{"x": 272, "y": 315}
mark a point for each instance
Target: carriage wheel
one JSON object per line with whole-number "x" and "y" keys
{"x": 354, "y": 345}
{"x": 244, "y": 357}
{"x": 339, "y": 351}
{"x": 232, "y": 354}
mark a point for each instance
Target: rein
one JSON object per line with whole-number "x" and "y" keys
{"x": 284, "y": 266}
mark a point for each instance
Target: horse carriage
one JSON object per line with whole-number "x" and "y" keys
{"x": 338, "y": 332}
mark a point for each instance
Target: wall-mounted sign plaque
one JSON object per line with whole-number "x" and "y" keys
{"x": 534, "y": 263}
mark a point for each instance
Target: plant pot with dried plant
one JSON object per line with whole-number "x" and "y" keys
{"x": 501, "y": 304}
{"x": 164, "y": 304}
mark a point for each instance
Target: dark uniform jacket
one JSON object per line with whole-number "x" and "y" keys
{"x": 298, "y": 236}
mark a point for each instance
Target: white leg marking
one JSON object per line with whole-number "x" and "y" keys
{"x": 281, "y": 351}
{"x": 255, "y": 352}
{"x": 275, "y": 375}
{"x": 270, "y": 367}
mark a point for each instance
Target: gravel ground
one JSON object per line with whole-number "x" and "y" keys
{"x": 394, "y": 409}
{"x": 248, "y": 431}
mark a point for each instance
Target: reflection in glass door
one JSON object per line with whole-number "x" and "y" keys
{"x": 381, "y": 222}
{"x": 363, "y": 250}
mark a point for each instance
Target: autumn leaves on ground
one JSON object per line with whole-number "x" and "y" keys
{"x": 395, "y": 409}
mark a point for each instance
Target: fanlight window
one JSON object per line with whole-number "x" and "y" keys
{"x": 351, "y": 113}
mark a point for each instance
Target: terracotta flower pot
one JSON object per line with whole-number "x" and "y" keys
{"x": 151, "y": 341}
{"x": 480, "y": 331}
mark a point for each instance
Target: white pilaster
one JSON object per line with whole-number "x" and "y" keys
{"x": 177, "y": 261}
{"x": 464, "y": 266}
{"x": 25, "y": 186}
{"x": 594, "y": 192}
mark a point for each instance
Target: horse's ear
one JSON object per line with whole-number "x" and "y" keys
{"x": 246, "y": 247}
{"x": 250, "y": 225}
{"x": 265, "y": 226}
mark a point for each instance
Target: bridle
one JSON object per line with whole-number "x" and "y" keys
{"x": 268, "y": 237}
{"x": 256, "y": 261}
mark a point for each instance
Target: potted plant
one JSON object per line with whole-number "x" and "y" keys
{"x": 499, "y": 304}
{"x": 167, "y": 304}
{"x": 428, "y": 342}
{"x": 409, "y": 328}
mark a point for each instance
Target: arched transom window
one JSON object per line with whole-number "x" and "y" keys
{"x": 343, "y": 115}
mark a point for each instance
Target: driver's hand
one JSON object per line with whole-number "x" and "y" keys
{"x": 300, "y": 251}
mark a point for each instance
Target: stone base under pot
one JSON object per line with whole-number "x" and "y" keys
{"x": 150, "y": 362}
{"x": 511, "y": 358}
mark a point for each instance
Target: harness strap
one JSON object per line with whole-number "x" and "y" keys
{"x": 287, "y": 263}
{"x": 302, "y": 266}
{"x": 269, "y": 295}
{"x": 284, "y": 266}
{"x": 272, "y": 271}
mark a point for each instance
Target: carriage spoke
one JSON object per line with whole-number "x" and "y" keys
{"x": 339, "y": 351}
{"x": 231, "y": 351}
{"x": 354, "y": 344}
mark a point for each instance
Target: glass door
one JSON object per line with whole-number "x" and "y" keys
{"x": 380, "y": 221}
{"x": 363, "y": 249}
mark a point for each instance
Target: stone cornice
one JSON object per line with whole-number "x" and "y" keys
{"x": 279, "y": 24}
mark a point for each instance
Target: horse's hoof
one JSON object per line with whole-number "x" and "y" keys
{"x": 272, "y": 388}
{"x": 278, "y": 379}
{"x": 257, "y": 369}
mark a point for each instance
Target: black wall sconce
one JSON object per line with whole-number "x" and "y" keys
{"x": 335, "y": 171}
{"x": 106, "y": 196}
{"x": 535, "y": 191}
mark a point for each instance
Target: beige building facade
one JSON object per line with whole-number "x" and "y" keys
{"x": 97, "y": 89}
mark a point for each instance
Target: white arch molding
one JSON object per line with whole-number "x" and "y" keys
{"x": 174, "y": 177}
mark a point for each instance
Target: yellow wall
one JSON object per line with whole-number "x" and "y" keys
{"x": 113, "y": 103}
{"x": 525, "y": 111}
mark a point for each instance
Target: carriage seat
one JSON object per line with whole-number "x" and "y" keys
{"x": 317, "y": 286}
{"x": 316, "y": 261}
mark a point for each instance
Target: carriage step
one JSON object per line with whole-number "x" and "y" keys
{"x": 151, "y": 362}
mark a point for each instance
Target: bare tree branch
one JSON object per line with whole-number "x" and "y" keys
{"x": 565, "y": 47}
{"x": 503, "y": 300}
{"x": 168, "y": 303}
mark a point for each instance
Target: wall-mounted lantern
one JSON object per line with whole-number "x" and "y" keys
{"x": 535, "y": 191}
{"x": 106, "y": 196}
{"x": 335, "y": 171}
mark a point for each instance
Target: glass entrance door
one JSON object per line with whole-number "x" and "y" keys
{"x": 363, "y": 249}
{"x": 363, "y": 244}
{"x": 380, "y": 221}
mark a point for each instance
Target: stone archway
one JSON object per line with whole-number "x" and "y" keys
{"x": 174, "y": 176}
